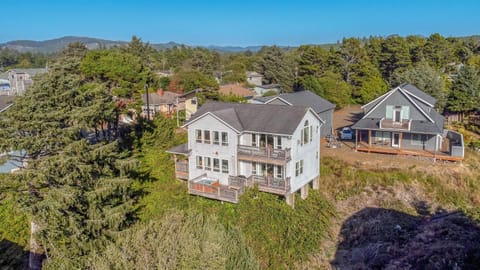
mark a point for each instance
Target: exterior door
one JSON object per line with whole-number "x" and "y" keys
{"x": 397, "y": 115}
{"x": 395, "y": 139}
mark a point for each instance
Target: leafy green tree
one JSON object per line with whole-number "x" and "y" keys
{"x": 312, "y": 60}
{"x": 395, "y": 54}
{"x": 465, "y": 94}
{"x": 425, "y": 78}
{"x": 187, "y": 80}
{"x": 75, "y": 186}
{"x": 277, "y": 66}
{"x": 330, "y": 86}
{"x": 352, "y": 55}
{"x": 438, "y": 51}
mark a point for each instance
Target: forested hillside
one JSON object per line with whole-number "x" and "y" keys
{"x": 104, "y": 196}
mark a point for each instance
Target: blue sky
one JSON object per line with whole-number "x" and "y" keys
{"x": 239, "y": 23}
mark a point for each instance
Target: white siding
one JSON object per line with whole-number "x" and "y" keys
{"x": 229, "y": 152}
{"x": 309, "y": 153}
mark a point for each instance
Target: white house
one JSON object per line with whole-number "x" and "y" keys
{"x": 254, "y": 78}
{"x": 232, "y": 146}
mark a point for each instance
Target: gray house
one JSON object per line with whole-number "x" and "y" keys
{"x": 322, "y": 107}
{"x": 404, "y": 121}
{"x": 232, "y": 146}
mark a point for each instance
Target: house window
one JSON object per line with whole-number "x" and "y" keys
{"x": 198, "y": 135}
{"x": 279, "y": 142}
{"x": 206, "y": 136}
{"x": 254, "y": 168}
{"x": 224, "y": 138}
{"x": 224, "y": 166}
{"x": 306, "y": 133}
{"x": 199, "y": 162}
{"x": 397, "y": 114}
{"x": 216, "y": 138}
{"x": 263, "y": 169}
{"x": 278, "y": 172}
{"x": 417, "y": 139}
{"x": 193, "y": 101}
{"x": 299, "y": 168}
{"x": 216, "y": 165}
{"x": 254, "y": 140}
{"x": 208, "y": 164}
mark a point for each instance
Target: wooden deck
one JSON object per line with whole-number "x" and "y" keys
{"x": 363, "y": 147}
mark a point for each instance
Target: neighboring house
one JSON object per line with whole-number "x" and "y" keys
{"x": 191, "y": 102}
{"x": 322, "y": 107}
{"x": 22, "y": 79}
{"x": 232, "y": 146}
{"x": 9, "y": 165}
{"x": 5, "y": 88}
{"x": 404, "y": 121}
{"x": 236, "y": 89}
{"x": 254, "y": 78}
{"x": 260, "y": 90}
{"x": 165, "y": 102}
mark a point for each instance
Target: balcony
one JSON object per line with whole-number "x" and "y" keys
{"x": 390, "y": 124}
{"x": 211, "y": 188}
{"x": 264, "y": 155}
{"x": 270, "y": 184}
{"x": 181, "y": 169}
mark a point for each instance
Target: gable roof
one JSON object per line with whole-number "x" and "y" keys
{"x": 155, "y": 99}
{"x": 235, "y": 89}
{"x": 418, "y": 94}
{"x": 265, "y": 118}
{"x": 304, "y": 98}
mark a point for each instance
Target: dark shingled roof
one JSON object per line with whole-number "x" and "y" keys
{"x": 411, "y": 89}
{"x": 255, "y": 117}
{"x": 181, "y": 149}
{"x": 416, "y": 126}
{"x": 308, "y": 99}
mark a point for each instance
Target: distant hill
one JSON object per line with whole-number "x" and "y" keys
{"x": 58, "y": 44}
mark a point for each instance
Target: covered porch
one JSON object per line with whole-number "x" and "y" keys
{"x": 180, "y": 157}
{"x": 396, "y": 142}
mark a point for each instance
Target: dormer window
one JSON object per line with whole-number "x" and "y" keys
{"x": 397, "y": 113}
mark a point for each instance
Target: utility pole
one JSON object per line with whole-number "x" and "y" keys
{"x": 148, "y": 101}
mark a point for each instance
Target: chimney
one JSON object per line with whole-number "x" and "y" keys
{"x": 160, "y": 91}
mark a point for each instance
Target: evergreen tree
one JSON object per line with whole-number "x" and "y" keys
{"x": 465, "y": 94}
{"x": 76, "y": 188}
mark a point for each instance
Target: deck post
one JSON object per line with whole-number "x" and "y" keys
{"x": 316, "y": 183}
{"x": 356, "y": 139}
{"x": 290, "y": 199}
{"x": 436, "y": 148}
{"x": 369, "y": 136}
{"x": 400, "y": 140}
{"x": 304, "y": 191}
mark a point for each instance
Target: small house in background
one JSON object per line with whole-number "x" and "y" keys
{"x": 190, "y": 102}
{"x": 236, "y": 89}
{"x": 403, "y": 121}
{"x": 5, "y": 88}
{"x": 164, "y": 102}
{"x": 21, "y": 79}
{"x": 322, "y": 107}
{"x": 260, "y": 90}
{"x": 254, "y": 78}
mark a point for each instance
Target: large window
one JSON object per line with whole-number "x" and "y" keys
{"x": 224, "y": 166}
{"x": 254, "y": 168}
{"x": 224, "y": 138}
{"x": 206, "y": 136}
{"x": 279, "y": 142}
{"x": 216, "y": 137}
{"x": 299, "y": 168}
{"x": 216, "y": 165}
{"x": 208, "y": 163}
{"x": 198, "y": 135}
{"x": 306, "y": 135}
{"x": 254, "y": 140}
{"x": 417, "y": 139}
{"x": 199, "y": 162}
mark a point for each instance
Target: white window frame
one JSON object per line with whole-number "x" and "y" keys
{"x": 254, "y": 168}
{"x": 225, "y": 166}
{"x": 198, "y": 135}
{"x": 207, "y": 163}
{"x": 216, "y": 137}
{"x": 205, "y": 132}
{"x": 279, "y": 171}
{"x": 224, "y": 142}
{"x": 199, "y": 162}
{"x": 216, "y": 162}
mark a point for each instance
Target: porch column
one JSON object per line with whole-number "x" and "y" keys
{"x": 290, "y": 199}
{"x": 436, "y": 149}
{"x": 304, "y": 191}
{"x": 356, "y": 139}
{"x": 400, "y": 137}
{"x": 369, "y": 136}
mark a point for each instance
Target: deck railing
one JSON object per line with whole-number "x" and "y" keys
{"x": 390, "y": 124}
{"x": 265, "y": 183}
{"x": 181, "y": 166}
{"x": 251, "y": 152}
{"x": 214, "y": 190}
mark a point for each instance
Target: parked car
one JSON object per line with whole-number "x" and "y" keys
{"x": 346, "y": 133}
